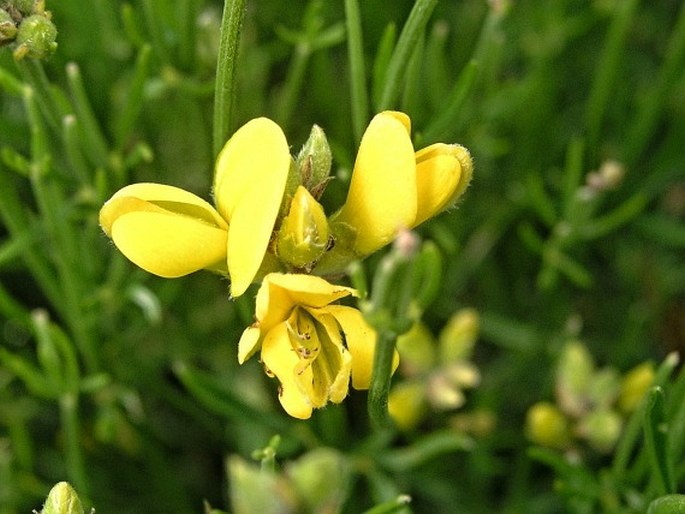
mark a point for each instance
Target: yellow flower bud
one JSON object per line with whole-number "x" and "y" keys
{"x": 303, "y": 236}
{"x": 634, "y": 386}
{"x": 459, "y": 335}
{"x": 407, "y": 404}
{"x": 546, "y": 425}
{"x": 62, "y": 499}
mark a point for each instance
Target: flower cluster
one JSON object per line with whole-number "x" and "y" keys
{"x": 591, "y": 404}
{"x": 267, "y": 225}
{"x": 437, "y": 372}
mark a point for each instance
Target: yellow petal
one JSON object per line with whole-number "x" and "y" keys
{"x": 167, "y": 244}
{"x": 442, "y": 174}
{"x": 280, "y": 292}
{"x": 382, "y": 195}
{"x": 331, "y": 365}
{"x": 249, "y": 343}
{"x": 361, "y": 342}
{"x": 249, "y": 183}
{"x": 280, "y": 359}
{"x": 168, "y": 198}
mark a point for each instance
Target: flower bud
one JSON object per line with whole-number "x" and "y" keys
{"x": 634, "y": 386}
{"x": 601, "y": 428}
{"x": 459, "y": 336}
{"x": 407, "y": 404}
{"x": 8, "y": 28}
{"x": 36, "y": 37}
{"x": 314, "y": 162}
{"x": 417, "y": 348}
{"x": 320, "y": 478}
{"x": 257, "y": 490}
{"x": 24, "y": 7}
{"x": 574, "y": 376}
{"x": 546, "y": 425}
{"x": 303, "y": 236}
{"x": 62, "y": 499}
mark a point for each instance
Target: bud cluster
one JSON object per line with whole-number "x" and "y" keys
{"x": 303, "y": 235}
{"x": 27, "y": 26}
{"x": 437, "y": 372}
{"x": 591, "y": 404}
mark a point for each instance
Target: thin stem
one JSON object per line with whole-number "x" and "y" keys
{"x": 413, "y": 28}
{"x": 94, "y": 142}
{"x": 293, "y": 84}
{"x": 607, "y": 69}
{"x": 380, "y": 381}
{"x": 231, "y": 24}
{"x": 68, "y": 405}
{"x": 355, "y": 50}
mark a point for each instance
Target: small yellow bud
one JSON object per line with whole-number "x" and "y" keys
{"x": 601, "y": 428}
{"x": 303, "y": 236}
{"x": 634, "y": 386}
{"x": 459, "y": 335}
{"x": 546, "y": 425}
{"x": 406, "y": 404}
{"x": 62, "y": 499}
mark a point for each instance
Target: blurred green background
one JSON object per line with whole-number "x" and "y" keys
{"x": 128, "y": 386}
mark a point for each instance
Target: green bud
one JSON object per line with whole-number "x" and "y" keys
{"x": 574, "y": 376}
{"x": 459, "y": 335}
{"x": 634, "y": 386}
{"x": 601, "y": 428}
{"x": 321, "y": 479}
{"x": 8, "y": 28}
{"x": 24, "y": 7}
{"x": 36, "y": 37}
{"x": 546, "y": 425}
{"x": 417, "y": 348}
{"x": 255, "y": 490}
{"x": 303, "y": 236}
{"x": 604, "y": 388}
{"x": 314, "y": 162}
{"x": 669, "y": 504}
{"x": 62, "y": 499}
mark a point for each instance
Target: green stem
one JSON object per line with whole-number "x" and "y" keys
{"x": 34, "y": 73}
{"x": 68, "y": 404}
{"x": 231, "y": 24}
{"x": 380, "y": 381}
{"x": 640, "y": 133}
{"x": 293, "y": 84}
{"x": 413, "y": 28}
{"x": 607, "y": 68}
{"x": 94, "y": 143}
{"x": 355, "y": 50}
{"x": 62, "y": 237}
{"x": 134, "y": 99}
{"x": 631, "y": 432}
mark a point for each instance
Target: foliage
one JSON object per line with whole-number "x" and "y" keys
{"x": 128, "y": 385}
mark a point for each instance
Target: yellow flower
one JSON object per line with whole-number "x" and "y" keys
{"x": 170, "y": 232}
{"x": 312, "y": 346}
{"x": 393, "y": 187}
